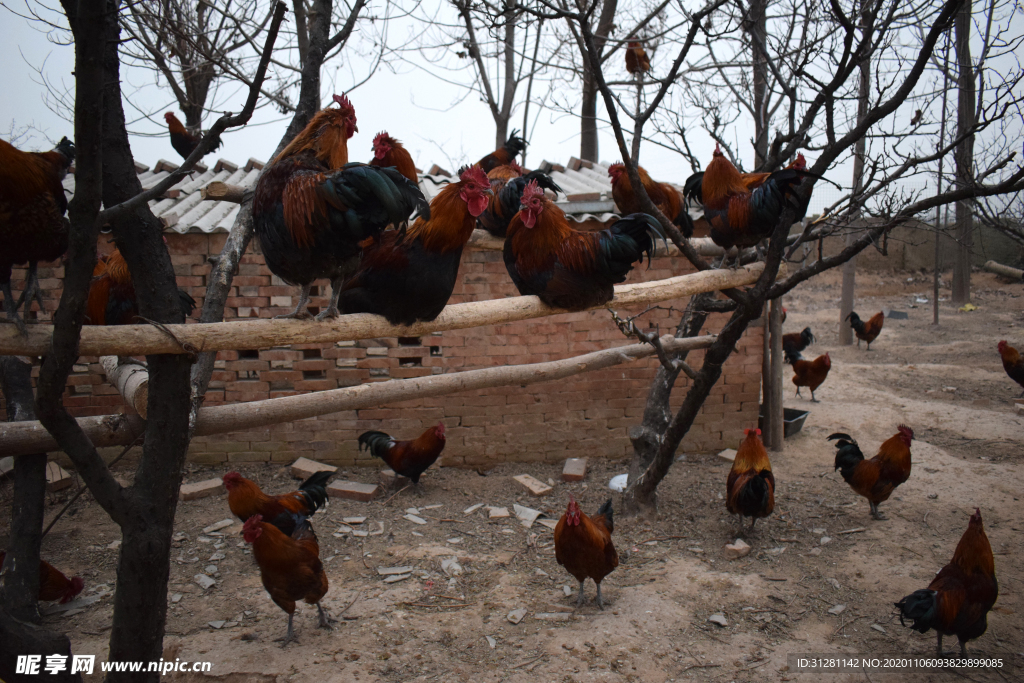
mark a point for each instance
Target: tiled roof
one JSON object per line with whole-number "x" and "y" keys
{"x": 588, "y": 192}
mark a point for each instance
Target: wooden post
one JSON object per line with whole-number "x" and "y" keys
{"x": 222, "y": 192}
{"x": 775, "y": 417}
{"x": 1005, "y": 271}
{"x": 131, "y": 379}
{"x": 30, "y": 437}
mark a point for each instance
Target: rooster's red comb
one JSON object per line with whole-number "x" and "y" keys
{"x": 343, "y": 102}
{"x": 532, "y": 190}
{"x": 380, "y": 137}
{"x": 747, "y": 431}
{"x": 474, "y": 174}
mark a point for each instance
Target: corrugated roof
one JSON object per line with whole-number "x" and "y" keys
{"x": 588, "y": 193}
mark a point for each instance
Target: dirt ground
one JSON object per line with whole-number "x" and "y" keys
{"x": 820, "y": 549}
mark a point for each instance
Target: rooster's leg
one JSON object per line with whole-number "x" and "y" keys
{"x": 600, "y": 601}
{"x": 753, "y": 521}
{"x": 798, "y": 391}
{"x": 290, "y": 636}
{"x": 300, "y": 311}
{"x": 579, "y": 600}
{"x": 332, "y": 310}
{"x": 11, "y": 308}
{"x": 938, "y": 647}
{"x": 876, "y": 514}
{"x": 325, "y": 618}
{"x": 814, "y": 400}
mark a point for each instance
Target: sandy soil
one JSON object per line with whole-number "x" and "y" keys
{"x": 947, "y": 383}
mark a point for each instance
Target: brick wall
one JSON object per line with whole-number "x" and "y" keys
{"x": 586, "y": 415}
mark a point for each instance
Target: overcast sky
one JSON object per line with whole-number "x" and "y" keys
{"x": 410, "y": 105}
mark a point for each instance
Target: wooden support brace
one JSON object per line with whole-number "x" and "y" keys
{"x": 143, "y": 340}
{"x": 20, "y": 438}
{"x": 131, "y": 379}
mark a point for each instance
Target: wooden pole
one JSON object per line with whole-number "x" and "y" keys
{"x": 766, "y": 378}
{"x": 222, "y": 192}
{"x": 113, "y": 430}
{"x": 131, "y": 379}
{"x": 1005, "y": 271}
{"x": 777, "y": 412}
{"x": 142, "y": 340}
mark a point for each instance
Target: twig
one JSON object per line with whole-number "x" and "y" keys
{"x": 396, "y": 493}
{"x": 659, "y": 538}
{"x": 358, "y": 595}
{"x": 454, "y": 606}
{"x": 86, "y": 488}
{"x": 531, "y": 661}
{"x": 852, "y": 531}
{"x": 702, "y": 666}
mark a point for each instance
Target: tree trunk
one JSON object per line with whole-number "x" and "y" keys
{"x": 766, "y": 377}
{"x": 131, "y": 379}
{"x": 850, "y": 267}
{"x": 589, "y": 150}
{"x": 24, "y": 638}
{"x": 19, "y": 577}
{"x": 964, "y": 155}
{"x": 777, "y": 414}
{"x": 757, "y": 32}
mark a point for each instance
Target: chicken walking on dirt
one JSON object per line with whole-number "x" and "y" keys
{"x": 810, "y": 373}
{"x": 1012, "y": 363}
{"x": 32, "y": 223}
{"x": 567, "y": 268}
{"x": 958, "y": 600}
{"x": 246, "y": 499}
{"x": 583, "y": 545}
{"x": 877, "y": 478}
{"x": 312, "y": 209}
{"x": 868, "y": 331}
{"x": 288, "y": 556}
{"x": 750, "y": 488}
{"x": 53, "y": 584}
{"x": 407, "y": 458}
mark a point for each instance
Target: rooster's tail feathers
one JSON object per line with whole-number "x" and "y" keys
{"x": 544, "y": 180}
{"x": 188, "y": 304}
{"x": 920, "y": 607}
{"x": 644, "y": 230}
{"x": 855, "y": 322}
{"x": 377, "y": 443}
{"x": 791, "y": 356}
{"x": 693, "y": 188}
{"x": 606, "y": 511}
{"x": 848, "y": 453}
{"x": 399, "y": 196}
{"x": 314, "y": 490}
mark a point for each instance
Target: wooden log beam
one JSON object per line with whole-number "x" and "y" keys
{"x": 222, "y": 192}
{"x": 141, "y": 340}
{"x": 131, "y": 379}
{"x": 20, "y": 438}
{"x": 1005, "y": 271}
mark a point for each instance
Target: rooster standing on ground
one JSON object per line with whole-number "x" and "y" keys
{"x": 877, "y": 478}
{"x": 288, "y": 556}
{"x": 868, "y": 331}
{"x": 567, "y": 268}
{"x": 182, "y": 141}
{"x": 508, "y": 184}
{"x": 750, "y": 488}
{"x": 957, "y": 601}
{"x": 743, "y": 209}
{"x": 32, "y": 223}
{"x": 583, "y": 545}
{"x": 664, "y": 196}
{"x": 312, "y": 209}
{"x": 505, "y": 154}
{"x": 388, "y": 151}
{"x": 246, "y": 499}
{"x": 1012, "y": 363}
{"x": 410, "y": 277}
{"x": 407, "y": 458}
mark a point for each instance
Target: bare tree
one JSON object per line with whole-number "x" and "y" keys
{"x": 815, "y": 101}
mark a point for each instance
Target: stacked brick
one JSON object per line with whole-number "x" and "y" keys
{"x": 588, "y": 415}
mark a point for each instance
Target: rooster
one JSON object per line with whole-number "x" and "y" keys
{"x": 312, "y": 209}
{"x": 407, "y": 458}
{"x": 750, "y": 488}
{"x": 811, "y": 373}
{"x": 877, "y": 478}
{"x": 53, "y": 585}
{"x": 32, "y": 223}
{"x": 111, "y": 298}
{"x": 570, "y": 269}
{"x": 507, "y": 184}
{"x": 637, "y": 61}
{"x": 388, "y": 151}
{"x": 505, "y": 154}
{"x": 410, "y": 277}
{"x": 246, "y": 499}
{"x": 957, "y": 601}
{"x": 1012, "y": 363}
{"x": 869, "y": 330}
{"x": 288, "y": 556}
{"x": 182, "y": 141}
{"x": 794, "y": 343}
{"x": 742, "y": 209}
{"x": 663, "y": 195}
{"x": 583, "y": 545}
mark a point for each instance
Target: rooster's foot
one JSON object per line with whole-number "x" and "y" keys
{"x": 600, "y": 601}
{"x": 297, "y": 315}
{"x": 329, "y": 313}
{"x": 579, "y": 600}
{"x": 290, "y": 636}
{"x": 325, "y": 619}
